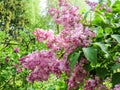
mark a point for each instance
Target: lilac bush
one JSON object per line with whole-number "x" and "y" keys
{"x": 74, "y": 44}
{"x": 43, "y": 63}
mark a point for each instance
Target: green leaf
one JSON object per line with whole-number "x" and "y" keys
{"x": 86, "y": 14}
{"x": 74, "y": 59}
{"x": 101, "y": 72}
{"x": 99, "y": 31}
{"x": 91, "y": 54}
{"x": 103, "y": 47}
{"x": 96, "y": 19}
{"x": 88, "y": 67}
{"x": 108, "y": 30}
{"x": 116, "y": 66}
{"x": 117, "y": 37}
{"x": 103, "y": 18}
{"x": 115, "y": 79}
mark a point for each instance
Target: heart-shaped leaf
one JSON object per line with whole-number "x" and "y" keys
{"x": 91, "y": 54}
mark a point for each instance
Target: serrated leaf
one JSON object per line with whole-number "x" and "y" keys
{"x": 91, "y": 54}
{"x": 115, "y": 79}
{"x": 74, "y": 59}
{"x": 117, "y": 37}
{"x": 103, "y": 47}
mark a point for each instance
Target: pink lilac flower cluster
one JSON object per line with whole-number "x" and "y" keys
{"x": 94, "y": 84}
{"x": 117, "y": 87}
{"x": 67, "y": 39}
{"x": 77, "y": 76}
{"x": 102, "y": 7}
{"x": 74, "y": 33}
{"x": 105, "y": 7}
{"x": 40, "y": 63}
{"x": 19, "y": 70}
{"x": 90, "y": 84}
{"x": 62, "y": 2}
{"x": 91, "y": 4}
{"x": 43, "y": 63}
{"x": 102, "y": 87}
{"x": 61, "y": 66}
{"x": 67, "y": 15}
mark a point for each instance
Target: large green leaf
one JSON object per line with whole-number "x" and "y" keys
{"x": 117, "y": 37}
{"x": 91, "y": 54}
{"x": 103, "y": 47}
{"x": 74, "y": 59}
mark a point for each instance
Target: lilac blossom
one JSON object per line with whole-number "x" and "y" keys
{"x": 77, "y": 75}
{"x": 16, "y": 50}
{"x": 19, "y": 70}
{"x": 6, "y": 59}
{"x": 117, "y": 87}
{"x": 91, "y": 4}
{"x": 106, "y": 8}
{"x": 74, "y": 34}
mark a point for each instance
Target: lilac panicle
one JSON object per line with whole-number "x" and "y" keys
{"x": 43, "y": 63}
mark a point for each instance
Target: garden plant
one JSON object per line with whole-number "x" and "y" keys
{"x": 82, "y": 53}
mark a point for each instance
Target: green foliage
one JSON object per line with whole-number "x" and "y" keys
{"x": 19, "y": 18}
{"x": 101, "y": 72}
{"x": 54, "y": 83}
{"x": 12, "y": 15}
{"x": 16, "y": 32}
{"x": 117, "y": 37}
{"x": 102, "y": 47}
{"x": 107, "y": 29}
{"x": 115, "y": 79}
{"x": 74, "y": 58}
{"x": 116, "y": 67}
{"x": 91, "y": 54}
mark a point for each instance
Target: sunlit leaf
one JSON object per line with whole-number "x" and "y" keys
{"x": 117, "y": 37}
